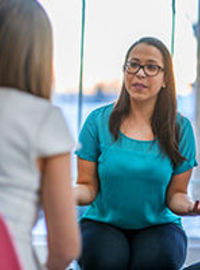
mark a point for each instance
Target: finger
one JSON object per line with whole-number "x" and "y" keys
{"x": 196, "y": 204}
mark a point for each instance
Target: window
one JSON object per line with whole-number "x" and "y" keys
{"x": 111, "y": 26}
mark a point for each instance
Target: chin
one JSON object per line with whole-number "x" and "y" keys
{"x": 138, "y": 97}
{"x": 142, "y": 98}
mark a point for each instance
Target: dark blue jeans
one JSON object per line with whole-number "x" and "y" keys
{"x": 106, "y": 247}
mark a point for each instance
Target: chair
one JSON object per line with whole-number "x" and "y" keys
{"x": 8, "y": 255}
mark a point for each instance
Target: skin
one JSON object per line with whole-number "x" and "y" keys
{"x": 60, "y": 214}
{"x": 147, "y": 95}
{"x": 143, "y": 91}
{"x": 177, "y": 198}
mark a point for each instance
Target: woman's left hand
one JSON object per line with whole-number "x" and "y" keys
{"x": 196, "y": 208}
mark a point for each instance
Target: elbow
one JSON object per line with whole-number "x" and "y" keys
{"x": 85, "y": 193}
{"x": 168, "y": 199}
{"x": 93, "y": 194}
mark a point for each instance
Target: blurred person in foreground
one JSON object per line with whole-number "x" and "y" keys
{"x": 134, "y": 166}
{"x": 35, "y": 142}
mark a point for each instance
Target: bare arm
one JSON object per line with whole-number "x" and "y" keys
{"x": 87, "y": 184}
{"x": 60, "y": 213}
{"x": 177, "y": 198}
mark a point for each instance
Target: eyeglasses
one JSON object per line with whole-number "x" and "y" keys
{"x": 149, "y": 69}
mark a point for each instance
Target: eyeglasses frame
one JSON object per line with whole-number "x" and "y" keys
{"x": 142, "y": 67}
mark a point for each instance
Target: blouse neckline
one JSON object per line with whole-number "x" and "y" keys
{"x": 135, "y": 140}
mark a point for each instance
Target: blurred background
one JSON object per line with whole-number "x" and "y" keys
{"x": 90, "y": 42}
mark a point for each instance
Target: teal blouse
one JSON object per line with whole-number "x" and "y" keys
{"x": 133, "y": 174}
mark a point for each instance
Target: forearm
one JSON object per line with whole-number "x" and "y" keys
{"x": 60, "y": 213}
{"x": 63, "y": 243}
{"x": 84, "y": 194}
{"x": 180, "y": 204}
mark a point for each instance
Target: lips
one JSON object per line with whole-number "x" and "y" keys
{"x": 139, "y": 86}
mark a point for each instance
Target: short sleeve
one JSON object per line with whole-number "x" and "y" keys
{"x": 89, "y": 139}
{"x": 54, "y": 135}
{"x": 187, "y": 147}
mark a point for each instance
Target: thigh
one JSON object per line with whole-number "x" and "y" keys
{"x": 160, "y": 247}
{"x": 104, "y": 247}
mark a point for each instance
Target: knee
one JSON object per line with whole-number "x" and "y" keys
{"x": 94, "y": 261}
{"x": 164, "y": 261}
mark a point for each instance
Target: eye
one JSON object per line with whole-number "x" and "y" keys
{"x": 134, "y": 65}
{"x": 151, "y": 67}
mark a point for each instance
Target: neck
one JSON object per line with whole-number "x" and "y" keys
{"x": 141, "y": 111}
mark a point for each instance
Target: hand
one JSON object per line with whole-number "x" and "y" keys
{"x": 196, "y": 208}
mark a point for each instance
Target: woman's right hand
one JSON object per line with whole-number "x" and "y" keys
{"x": 87, "y": 186}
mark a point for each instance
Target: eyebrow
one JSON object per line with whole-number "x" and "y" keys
{"x": 148, "y": 61}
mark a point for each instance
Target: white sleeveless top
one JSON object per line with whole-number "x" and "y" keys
{"x": 30, "y": 127}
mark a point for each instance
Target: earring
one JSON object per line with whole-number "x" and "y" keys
{"x": 163, "y": 86}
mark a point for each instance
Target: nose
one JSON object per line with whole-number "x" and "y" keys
{"x": 141, "y": 72}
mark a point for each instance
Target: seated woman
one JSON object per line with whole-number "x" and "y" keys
{"x": 134, "y": 166}
{"x": 35, "y": 142}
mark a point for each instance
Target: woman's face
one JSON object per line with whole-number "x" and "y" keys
{"x": 140, "y": 86}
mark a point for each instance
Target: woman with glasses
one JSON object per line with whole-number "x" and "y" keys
{"x": 134, "y": 165}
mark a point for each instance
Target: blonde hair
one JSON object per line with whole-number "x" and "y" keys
{"x": 25, "y": 47}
